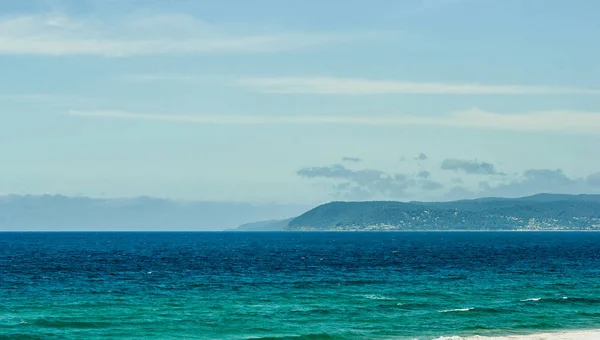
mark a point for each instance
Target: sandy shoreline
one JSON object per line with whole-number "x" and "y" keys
{"x": 563, "y": 335}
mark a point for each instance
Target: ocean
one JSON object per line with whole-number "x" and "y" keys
{"x": 340, "y": 285}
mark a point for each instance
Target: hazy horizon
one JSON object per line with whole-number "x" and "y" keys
{"x": 79, "y": 213}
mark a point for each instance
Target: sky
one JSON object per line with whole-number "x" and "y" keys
{"x": 299, "y": 102}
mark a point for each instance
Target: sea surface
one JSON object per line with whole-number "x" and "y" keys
{"x": 227, "y": 285}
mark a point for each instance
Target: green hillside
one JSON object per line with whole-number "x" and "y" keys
{"x": 539, "y": 212}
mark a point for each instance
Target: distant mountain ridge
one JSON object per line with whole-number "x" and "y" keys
{"x": 66, "y": 213}
{"x": 271, "y": 225}
{"x": 538, "y": 212}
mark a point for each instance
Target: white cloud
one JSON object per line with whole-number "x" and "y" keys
{"x": 56, "y": 34}
{"x": 534, "y": 181}
{"x": 351, "y": 86}
{"x": 568, "y": 121}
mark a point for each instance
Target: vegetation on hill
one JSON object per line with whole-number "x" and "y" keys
{"x": 539, "y": 212}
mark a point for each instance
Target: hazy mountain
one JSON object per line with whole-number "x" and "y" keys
{"x": 272, "y": 225}
{"x": 539, "y": 212}
{"x": 55, "y": 212}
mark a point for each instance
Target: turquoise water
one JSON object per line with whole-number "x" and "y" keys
{"x": 296, "y": 285}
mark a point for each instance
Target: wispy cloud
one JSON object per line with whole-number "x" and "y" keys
{"x": 534, "y": 181}
{"x": 473, "y": 167}
{"x": 421, "y": 157}
{"x": 370, "y": 183}
{"x": 351, "y": 86}
{"x": 57, "y": 34}
{"x": 568, "y": 121}
{"x": 424, "y": 174}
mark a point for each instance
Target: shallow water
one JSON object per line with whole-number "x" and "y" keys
{"x": 298, "y": 285}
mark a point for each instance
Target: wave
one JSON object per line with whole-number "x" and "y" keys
{"x": 413, "y": 305}
{"x": 56, "y": 323}
{"x": 20, "y": 336}
{"x": 565, "y": 335}
{"x": 456, "y": 310}
{"x": 531, "y": 299}
{"x": 311, "y": 311}
{"x": 377, "y": 297}
{"x": 319, "y": 336}
{"x": 485, "y": 310}
{"x": 585, "y": 300}
{"x": 563, "y": 299}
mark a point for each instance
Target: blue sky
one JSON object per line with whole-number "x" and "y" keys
{"x": 299, "y": 101}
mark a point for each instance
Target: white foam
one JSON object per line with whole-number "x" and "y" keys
{"x": 568, "y": 335}
{"x": 531, "y": 299}
{"x": 377, "y": 297}
{"x": 456, "y": 310}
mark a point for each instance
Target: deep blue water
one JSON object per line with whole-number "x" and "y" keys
{"x": 296, "y": 285}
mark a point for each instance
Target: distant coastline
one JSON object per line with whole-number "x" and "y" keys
{"x": 446, "y": 231}
{"x": 543, "y": 212}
